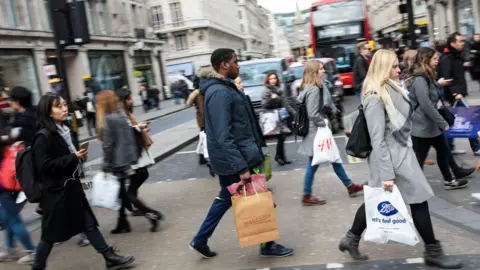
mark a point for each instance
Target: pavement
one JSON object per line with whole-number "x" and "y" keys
{"x": 314, "y": 232}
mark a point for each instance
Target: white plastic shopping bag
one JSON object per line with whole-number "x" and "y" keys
{"x": 387, "y": 217}
{"x": 202, "y": 144}
{"x": 269, "y": 122}
{"x": 325, "y": 149}
{"x": 105, "y": 190}
{"x": 202, "y": 137}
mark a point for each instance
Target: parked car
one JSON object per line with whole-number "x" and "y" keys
{"x": 335, "y": 87}
{"x": 253, "y": 76}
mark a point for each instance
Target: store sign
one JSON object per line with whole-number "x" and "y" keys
{"x": 50, "y": 70}
{"x": 337, "y": 31}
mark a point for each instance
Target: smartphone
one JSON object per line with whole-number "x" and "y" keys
{"x": 84, "y": 146}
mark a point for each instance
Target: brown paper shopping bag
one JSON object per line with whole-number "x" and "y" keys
{"x": 255, "y": 219}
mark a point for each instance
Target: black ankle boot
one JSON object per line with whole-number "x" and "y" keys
{"x": 115, "y": 261}
{"x": 122, "y": 226}
{"x": 202, "y": 160}
{"x": 280, "y": 161}
{"x": 434, "y": 256}
{"x": 37, "y": 268}
{"x": 154, "y": 217}
{"x": 350, "y": 243}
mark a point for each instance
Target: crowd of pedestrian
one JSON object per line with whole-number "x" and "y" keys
{"x": 399, "y": 96}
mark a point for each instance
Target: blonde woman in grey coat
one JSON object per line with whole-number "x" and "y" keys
{"x": 316, "y": 96}
{"x": 393, "y": 162}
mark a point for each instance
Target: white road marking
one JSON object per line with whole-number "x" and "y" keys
{"x": 191, "y": 179}
{"x": 415, "y": 260}
{"x": 168, "y": 180}
{"x": 334, "y": 265}
{"x": 158, "y": 182}
{"x": 272, "y": 143}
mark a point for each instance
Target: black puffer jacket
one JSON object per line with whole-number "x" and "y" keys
{"x": 451, "y": 67}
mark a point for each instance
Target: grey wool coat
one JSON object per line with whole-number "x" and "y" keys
{"x": 311, "y": 96}
{"x": 392, "y": 156}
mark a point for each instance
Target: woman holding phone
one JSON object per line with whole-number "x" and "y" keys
{"x": 66, "y": 211}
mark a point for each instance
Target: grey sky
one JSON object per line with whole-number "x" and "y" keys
{"x": 284, "y": 6}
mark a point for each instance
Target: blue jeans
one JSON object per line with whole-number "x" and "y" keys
{"x": 310, "y": 176}
{"x": 474, "y": 143}
{"x": 14, "y": 227}
{"x": 219, "y": 207}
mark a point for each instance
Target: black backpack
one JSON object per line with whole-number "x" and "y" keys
{"x": 301, "y": 122}
{"x": 26, "y": 173}
{"x": 359, "y": 144}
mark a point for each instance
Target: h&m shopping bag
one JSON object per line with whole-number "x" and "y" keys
{"x": 325, "y": 149}
{"x": 255, "y": 218}
{"x": 202, "y": 144}
{"x": 105, "y": 190}
{"x": 387, "y": 217}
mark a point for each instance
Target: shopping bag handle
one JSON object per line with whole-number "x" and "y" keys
{"x": 245, "y": 191}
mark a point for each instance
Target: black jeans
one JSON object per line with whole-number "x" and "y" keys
{"x": 281, "y": 145}
{"x": 420, "y": 216}
{"x": 92, "y": 233}
{"x": 421, "y": 146}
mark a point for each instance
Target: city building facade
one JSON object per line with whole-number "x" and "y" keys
{"x": 447, "y": 16}
{"x": 123, "y": 50}
{"x": 192, "y": 29}
{"x": 297, "y": 30}
{"x": 389, "y": 27}
{"x": 280, "y": 44}
{"x": 254, "y": 25}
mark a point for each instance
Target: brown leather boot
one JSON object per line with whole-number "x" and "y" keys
{"x": 354, "y": 190}
{"x": 309, "y": 200}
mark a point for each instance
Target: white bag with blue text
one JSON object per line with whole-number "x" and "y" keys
{"x": 388, "y": 219}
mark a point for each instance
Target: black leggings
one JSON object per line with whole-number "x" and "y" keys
{"x": 421, "y": 219}
{"x": 130, "y": 197}
{"x": 421, "y": 146}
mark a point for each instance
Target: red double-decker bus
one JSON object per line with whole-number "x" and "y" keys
{"x": 337, "y": 26}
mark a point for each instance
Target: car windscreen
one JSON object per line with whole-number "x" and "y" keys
{"x": 298, "y": 71}
{"x": 254, "y": 74}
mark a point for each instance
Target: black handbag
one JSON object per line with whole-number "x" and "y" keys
{"x": 359, "y": 144}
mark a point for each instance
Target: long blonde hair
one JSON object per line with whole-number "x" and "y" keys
{"x": 310, "y": 74}
{"x": 379, "y": 74}
{"x": 106, "y": 102}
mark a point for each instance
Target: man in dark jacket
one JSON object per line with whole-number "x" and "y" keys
{"x": 25, "y": 113}
{"x": 452, "y": 67}
{"x": 360, "y": 68}
{"x": 233, "y": 141}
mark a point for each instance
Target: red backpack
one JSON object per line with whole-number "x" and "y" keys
{"x": 8, "y": 180}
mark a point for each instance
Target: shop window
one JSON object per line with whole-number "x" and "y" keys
{"x": 157, "y": 16}
{"x": 104, "y": 15}
{"x": 181, "y": 42}
{"x": 48, "y": 15}
{"x": 12, "y": 14}
{"x": 108, "y": 70}
{"x": 18, "y": 70}
{"x": 93, "y": 16}
{"x": 177, "y": 16}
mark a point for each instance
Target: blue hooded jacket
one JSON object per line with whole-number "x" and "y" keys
{"x": 233, "y": 141}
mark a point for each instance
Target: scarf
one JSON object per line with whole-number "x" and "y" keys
{"x": 64, "y": 131}
{"x": 397, "y": 119}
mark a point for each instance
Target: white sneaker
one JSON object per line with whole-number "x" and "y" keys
{"x": 458, "y": 152}
{"x": 27, "y": 259}
{"x": 9, "y": 255}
